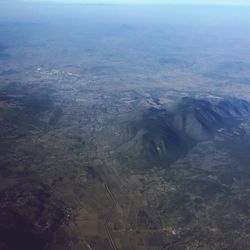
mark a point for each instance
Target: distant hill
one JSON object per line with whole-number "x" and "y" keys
{"x": 158, "y": 137}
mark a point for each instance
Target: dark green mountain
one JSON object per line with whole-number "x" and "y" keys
{"x": 156, "y": 137}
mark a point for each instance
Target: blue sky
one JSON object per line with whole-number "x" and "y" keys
{"x": 234, "y": 2}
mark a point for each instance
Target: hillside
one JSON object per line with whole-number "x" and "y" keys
{"x": 158, "y": 137}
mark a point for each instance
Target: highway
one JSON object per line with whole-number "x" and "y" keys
{"x": 112, "y": 197}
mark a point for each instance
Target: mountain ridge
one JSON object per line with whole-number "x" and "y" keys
{"x": 158, "y": 137}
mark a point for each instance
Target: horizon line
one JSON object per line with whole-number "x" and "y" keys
{"x": 215, "y": 3}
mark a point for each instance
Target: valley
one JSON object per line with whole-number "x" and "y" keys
{"x": 124, "y": 171}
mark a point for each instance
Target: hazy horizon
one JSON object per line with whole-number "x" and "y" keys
{"x": 134, "y": 2}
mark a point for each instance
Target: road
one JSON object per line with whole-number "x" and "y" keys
{"x": 111, "y": 195}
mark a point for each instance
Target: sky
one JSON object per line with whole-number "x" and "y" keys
{"x": 230, "y": 2}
